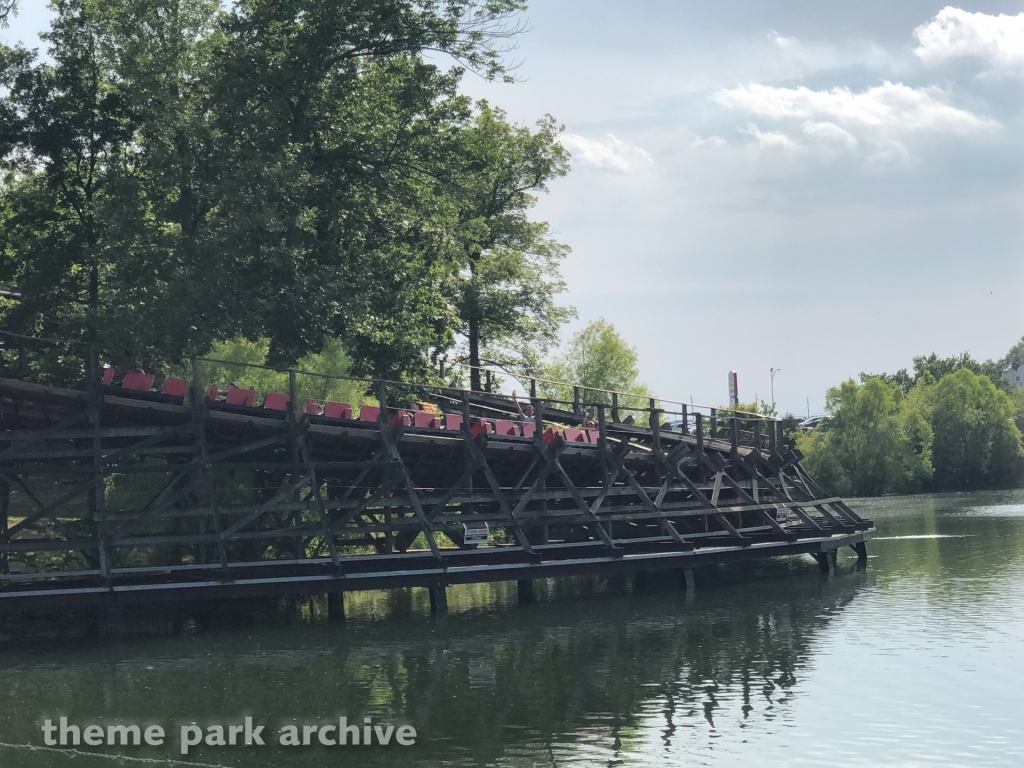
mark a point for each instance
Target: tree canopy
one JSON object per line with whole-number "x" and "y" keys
{"x": 1015, "y": 356}
{"x": 976, "y": 442}
{"x": 877, "y": 440}
{"x": 507, "y": 286}
{"x": 931, "y": 368}
{"x": 597, "y": 359}
{"x": 959, "y": 432}
{"x": 8, "y": 8}
{"x": 178, "y": 174}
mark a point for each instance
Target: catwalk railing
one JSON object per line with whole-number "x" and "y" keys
{"x": 115, "y": 486}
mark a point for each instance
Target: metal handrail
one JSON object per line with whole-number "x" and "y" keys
{"x": 644, "y": 396}
{"x": 687, "y": 410}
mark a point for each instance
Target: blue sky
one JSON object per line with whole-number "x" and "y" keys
{"x": 821, "y": 187}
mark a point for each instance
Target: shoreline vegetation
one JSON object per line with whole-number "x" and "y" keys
{"x": 952, "y": 424}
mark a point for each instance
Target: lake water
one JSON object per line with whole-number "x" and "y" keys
{"x": 917, "y": 660}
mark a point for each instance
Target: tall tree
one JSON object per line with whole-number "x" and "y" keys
{"x": 929, "y": 369}
{"x": 507, "y": 286}
{"x": 8, "y": 8}
{"x": 1015, "y": 356}
{"x": 334, "y": 140}
{"x": 159, "y": 53}
{"x": 977, "y": 444}
{"x": 66, "y": 133}
{"x": 877, "y": 440}
{"x": 598, "y": 360}
{"x": 286, "y": 170}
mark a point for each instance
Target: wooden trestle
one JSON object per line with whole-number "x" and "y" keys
{"x": 112, "y": 497}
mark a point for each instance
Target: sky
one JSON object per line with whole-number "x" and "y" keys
{"x": 823, "y": 188}
{"x": 819, "y": 187}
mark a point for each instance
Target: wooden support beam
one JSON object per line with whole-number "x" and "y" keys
{"x": 198, "y": 410}
{"x": 480, "y": 460}
{"x": 266, "y": 506}
{"x": 5, "y": 499}
{"x": 862, "y": 551}
{"x": 389, "y": 440}
{"x": 52, "y": 507}
{"x": 19, "y": 447}
{"x": 552, "y": 463}
{"x": 616, "y": 463}
{"x": 318, "y": 500}
{"x": 171, "y": 494}
{"x": 710, "y": 504}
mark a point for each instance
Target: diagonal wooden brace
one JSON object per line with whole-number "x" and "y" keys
{"x": 388, "y": 438}
{"x": 552, "y": 463}
{"x": 620, "y": 468}
{"x": 710, "y": 504}
{"x": 479, "y": 459}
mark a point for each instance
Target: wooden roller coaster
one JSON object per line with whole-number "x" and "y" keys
{"x": 118, "y": 494}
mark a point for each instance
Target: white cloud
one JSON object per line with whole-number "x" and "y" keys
{"x": 890, "y": 107}
{"x": 830, "y": 132}
{"x": 713, "y": 142}
{"x": 769, "y": 138}
{"x": 608, "y": 152}
{"x": 782, "y": 42}
{"x": 955, "y": 34}
{"x": 806, "y": 58}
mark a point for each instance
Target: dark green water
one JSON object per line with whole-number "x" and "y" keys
{"x": 916, "y": 661}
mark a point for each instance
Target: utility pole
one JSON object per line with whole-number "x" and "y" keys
{"x": 773, "y": 371}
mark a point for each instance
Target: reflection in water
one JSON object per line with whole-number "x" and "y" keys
{"x": 563, "y": 680}
{"x": 908, "y": 663}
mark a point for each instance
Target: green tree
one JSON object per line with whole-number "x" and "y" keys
{"x": 877, "y": 440}
{"x": 599, "y": 361}
{"x": 69, "y": 204}
{"x": 1017, "y": 396}
{"x": 8, "y": 8}
{"x": 931, "y": 368}
{"x": 101, "y": 170}
{"x": 289, "y": 170}
{"x": 938, "y": 367}
{"x": 976, "y": 443}
{"x": 243, "y": 363}
{"x": 758, "y": 406}
{"x": 508, "y": 282}
{"x": 340, "y": 212}
{"x": 1015, "y": 356}
{"x": 902, "y": 378}
{"x": 160, "y": 55}
{"x": 323, "y": 113}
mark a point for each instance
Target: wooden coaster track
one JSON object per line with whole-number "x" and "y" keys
{"x": 110, "y": 495}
